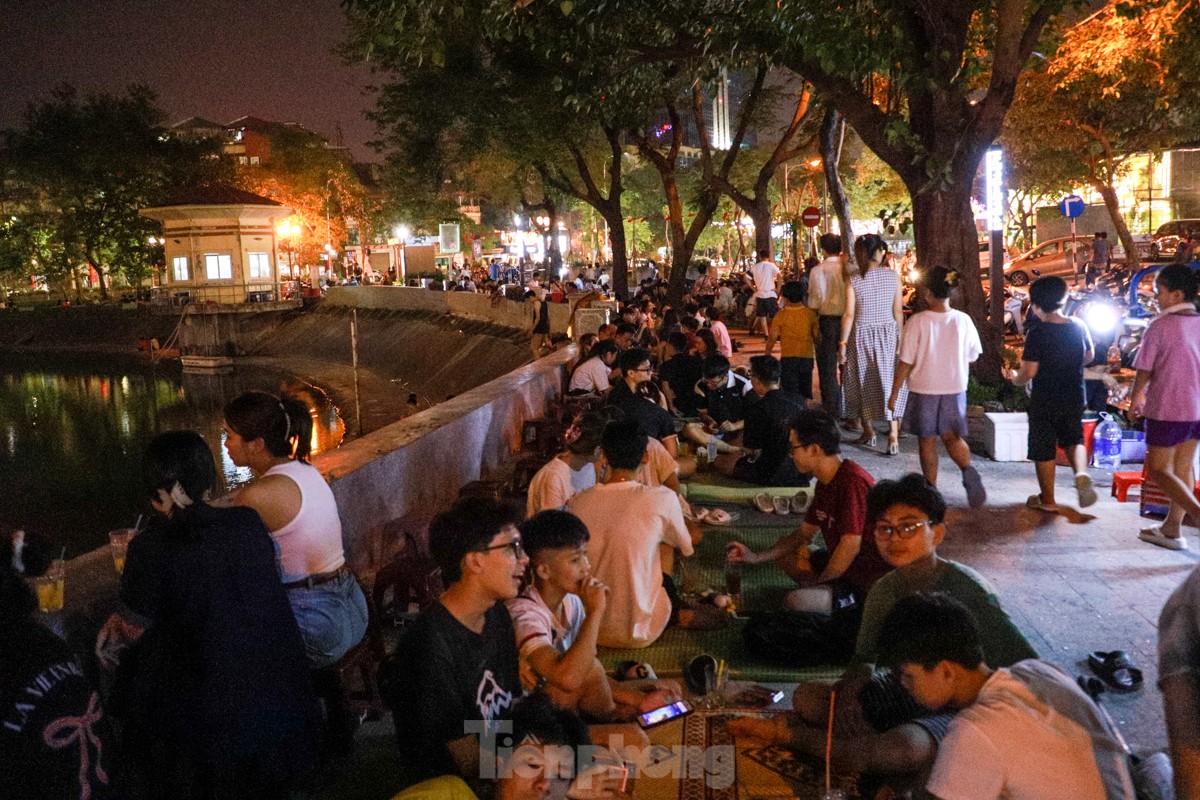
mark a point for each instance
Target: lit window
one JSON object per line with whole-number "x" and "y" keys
{"x": 179, "y": 268}
{"x": 254, "y": 159}
{"x": 260, "y": 267}
{"x": 241, "y": 159}
{"x": 218, "y": 266}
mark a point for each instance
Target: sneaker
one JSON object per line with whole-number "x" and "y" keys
{"x": 976, "y": 494}
{"x": 1154, "y": 535}
{"x": 1083, "y": 488}
{"x": 1035, "y": 502}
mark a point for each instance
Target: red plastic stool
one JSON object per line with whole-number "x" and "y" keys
{"x": 1122, "y": 482}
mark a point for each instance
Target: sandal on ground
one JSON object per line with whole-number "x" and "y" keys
{"x": 976, "y": 494}
{"x": 700, "y": 674}
{"x": 1116, "y": 669}
{"x": 1083, "y": 488}
{"x": 1035, "y": 502}
{"x": 762, "y": 501}
{"x": 1093, "y": 687}
{"x": 868, "y": 439}
{"x": 799, "y": 503}
{"x": 1154, "y": 535}
{"x": 633, "y": 671}
{"x": 893, "y": 448}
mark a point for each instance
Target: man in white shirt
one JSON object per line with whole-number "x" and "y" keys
{"x": 1027, "y": 732}
{"x": 827, "y": 296}
{"x": 634, "y": 530}
{"x": 766, "y": 301}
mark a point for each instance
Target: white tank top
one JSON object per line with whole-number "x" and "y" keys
{"x": 311, "y": 543}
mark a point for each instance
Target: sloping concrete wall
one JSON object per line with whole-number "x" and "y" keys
{"x": 403, "y": 474}
{"x": 498, "y": 311}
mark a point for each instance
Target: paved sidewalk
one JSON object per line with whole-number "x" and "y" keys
{"x": 1073, "y": 581}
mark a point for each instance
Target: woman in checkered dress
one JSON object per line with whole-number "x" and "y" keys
{"x": 870, "y": 338}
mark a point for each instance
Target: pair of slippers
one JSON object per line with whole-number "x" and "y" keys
{"x": 1115, "y": 668}
{"x": 786, "y": 505}
{"x": 712, "y": 516}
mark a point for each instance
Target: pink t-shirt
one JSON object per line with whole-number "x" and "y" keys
{"x": 1171, "y": 352}
{"x": 721, "y": 335}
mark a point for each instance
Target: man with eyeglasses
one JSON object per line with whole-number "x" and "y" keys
{"x": 878, "y": 727}
{"x": 456, "y": 672}
{"x": 628, "y": 398}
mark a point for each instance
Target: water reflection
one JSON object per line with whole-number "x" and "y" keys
{"x": 72, "y": 436}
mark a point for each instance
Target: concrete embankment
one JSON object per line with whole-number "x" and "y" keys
{"x": 84, "y": 329}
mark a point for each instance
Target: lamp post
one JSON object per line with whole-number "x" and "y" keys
{"x": 401, "y": 265}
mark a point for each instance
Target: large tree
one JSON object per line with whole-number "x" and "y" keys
{"x": 92, "y": 162}
{"x": 1120, "y": 83}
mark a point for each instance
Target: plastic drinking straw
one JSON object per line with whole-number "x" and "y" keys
{"x": 137, "y": 526}
{"x": 829, "y": 742}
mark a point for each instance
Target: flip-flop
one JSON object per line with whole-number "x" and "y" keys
{"x": 1035, "y": 502}
{"x": 1093, "y": 687}
{"x": 1116, "y": 669}
{"x": 632, "y": 671}
{"x": 719, "y": 516}
{"x": 1154, "y": 535}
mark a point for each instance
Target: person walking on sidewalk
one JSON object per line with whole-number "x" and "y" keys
{"x": 1055, "y": 353}
{"x": 766, "y": 300}
{"x": 868, "y": 345}
{"x": 938, "y": 348}
{"x": 1166, "y": 392}
{"x": 827, "y": 296}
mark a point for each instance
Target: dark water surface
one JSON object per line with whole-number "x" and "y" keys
{"x": 72, "y": 433}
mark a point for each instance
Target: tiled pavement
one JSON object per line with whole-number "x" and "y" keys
{"x": 1074, "y": 582}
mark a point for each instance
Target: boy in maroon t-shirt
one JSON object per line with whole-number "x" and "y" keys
{"x": 838, "y": 576}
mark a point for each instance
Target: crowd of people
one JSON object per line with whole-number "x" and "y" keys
{"x": 220, "y": 664}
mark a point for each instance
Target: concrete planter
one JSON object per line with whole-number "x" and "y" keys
{"x": 1006, "y": 435}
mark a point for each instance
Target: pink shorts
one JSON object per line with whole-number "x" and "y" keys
{"x": 1160, "y": 433}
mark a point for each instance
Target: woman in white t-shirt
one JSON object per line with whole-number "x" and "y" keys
{"x": 936, "y": 352}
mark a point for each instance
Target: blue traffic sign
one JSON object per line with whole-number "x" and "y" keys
{"x": 1072, "y": 206}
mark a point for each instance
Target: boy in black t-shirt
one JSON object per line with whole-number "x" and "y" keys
{"x": 455, "y": 673}
{"x": 1056, "y": 351}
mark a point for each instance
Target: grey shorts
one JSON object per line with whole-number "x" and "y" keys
{"x": 935, "y": 414}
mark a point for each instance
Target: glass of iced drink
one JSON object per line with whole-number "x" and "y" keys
{"x": 118, "y": 545}
{"x": 49, "y": 587}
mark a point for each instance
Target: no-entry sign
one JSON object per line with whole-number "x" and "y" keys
{"x": 811, "y": 216}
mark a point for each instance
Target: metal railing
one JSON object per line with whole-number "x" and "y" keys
{"x": 226, "y": 293}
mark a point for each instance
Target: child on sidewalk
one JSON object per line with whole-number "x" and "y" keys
{"x": 937, "y": 350}
{"x": 557, "y": 618}
{"x": 1055, "y": 352}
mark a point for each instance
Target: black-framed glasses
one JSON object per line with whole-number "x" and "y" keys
{"x": 646, "y": 368}
{"x": 905, "y": 531}
{"x": 514, "y": 546}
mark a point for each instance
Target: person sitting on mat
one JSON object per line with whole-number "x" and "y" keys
{"x": 878, "y": 728}
{"x": 765, "y": 435}
{"x": 838, "y": 577}
{"x": 557, "y": 619}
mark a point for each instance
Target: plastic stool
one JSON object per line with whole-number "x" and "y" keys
{"x": 1121, "y": 483}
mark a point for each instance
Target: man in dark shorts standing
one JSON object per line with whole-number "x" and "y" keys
{"x": 766, "y": 300}
{"x": 1056, "y": 350}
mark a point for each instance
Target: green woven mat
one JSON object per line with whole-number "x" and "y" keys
{"x": 763, "y": 589}
{"x": 744, "y": 495}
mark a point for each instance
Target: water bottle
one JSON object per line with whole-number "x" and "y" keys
{"x": 712, "y": 450}
{"x": 1107, "y": 443}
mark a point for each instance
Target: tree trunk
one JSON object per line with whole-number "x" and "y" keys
{"x": 1118, "y": 219}
{"x": 760, "y": 212}
{"x": 616, "y": 240}
{"x": 944, "y": 232}
{"x": 832, "y": 129}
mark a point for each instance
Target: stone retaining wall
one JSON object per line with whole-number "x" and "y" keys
{"x": 394, "y": 479}
{"x": 498, "y": 311}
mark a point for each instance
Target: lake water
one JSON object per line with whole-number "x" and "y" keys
{"x": 72, "y": 434}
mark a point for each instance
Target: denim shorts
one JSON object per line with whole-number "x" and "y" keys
{"x": 332, "y": 618}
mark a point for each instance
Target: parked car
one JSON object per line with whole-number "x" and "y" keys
{"x": 1052, "y": 257}
{"x": 985, "y": 258}
{"x": 1169, "y": 234}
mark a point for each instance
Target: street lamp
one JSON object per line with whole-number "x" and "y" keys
{"x": 401, "y": 264}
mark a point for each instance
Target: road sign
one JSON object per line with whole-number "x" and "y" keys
{"x": 1072, "y": 206}
{"x": 811, "y": 216}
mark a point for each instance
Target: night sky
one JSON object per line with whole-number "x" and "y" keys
{"x": 217, "y": 59}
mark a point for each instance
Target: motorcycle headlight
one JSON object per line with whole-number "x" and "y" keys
{"x": 1100, "y": 318}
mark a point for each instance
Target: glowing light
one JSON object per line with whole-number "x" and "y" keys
{"x": 1100, "y": 318}
{"x": 994, "y": 181}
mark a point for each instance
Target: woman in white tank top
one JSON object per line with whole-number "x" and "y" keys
{"x": 271, "y": 436}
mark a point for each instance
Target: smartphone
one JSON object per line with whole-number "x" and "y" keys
{"x": 665, "y": 714}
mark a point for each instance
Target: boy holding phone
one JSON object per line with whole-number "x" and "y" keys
{"x": 557, "y": 619}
